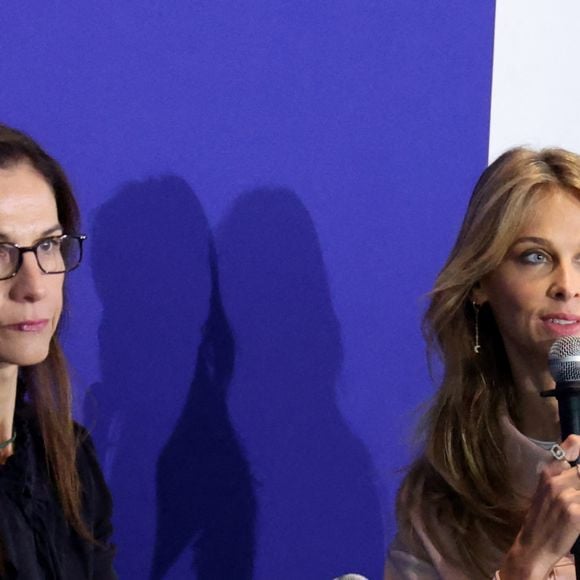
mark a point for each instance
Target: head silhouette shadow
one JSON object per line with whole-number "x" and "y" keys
{"x": 153, "y": 266}
{"x": 319, "y": 513}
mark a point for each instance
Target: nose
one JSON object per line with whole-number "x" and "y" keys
{"x": 565, "y": 283}
{"x": 29, "y": 284}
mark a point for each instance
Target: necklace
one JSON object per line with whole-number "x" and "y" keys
{"x": 5, "y": 444}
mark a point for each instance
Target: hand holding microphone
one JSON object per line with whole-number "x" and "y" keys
{"x": 552, "y": 525}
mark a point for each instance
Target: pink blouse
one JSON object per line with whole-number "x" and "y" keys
{"x": 527, "y": 460}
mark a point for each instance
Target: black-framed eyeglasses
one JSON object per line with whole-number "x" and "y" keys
{"x": 54, "y": 255}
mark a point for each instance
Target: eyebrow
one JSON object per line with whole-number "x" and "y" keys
{"x": 533, "y": 239}
{"x": 52, "y": 230}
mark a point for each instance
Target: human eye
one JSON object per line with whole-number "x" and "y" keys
{"x": 49, "y": 245}
{"x": 6, "y": 253}
{"x": 534, "y": 257}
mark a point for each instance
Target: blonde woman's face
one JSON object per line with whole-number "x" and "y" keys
{"x": 535, "y": 293}
{"x": 30, "y": 302}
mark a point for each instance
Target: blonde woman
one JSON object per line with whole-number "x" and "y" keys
{"x": 486, "y": 497}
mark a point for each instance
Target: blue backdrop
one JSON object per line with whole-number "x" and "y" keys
{"x": 269, "y": 189}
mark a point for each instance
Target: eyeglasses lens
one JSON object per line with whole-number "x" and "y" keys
{"x": 8, "y": 260}
{"x": 54, "y": 255}
{"x": 59, "y": 254}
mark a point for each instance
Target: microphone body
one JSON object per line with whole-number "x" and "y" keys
{"x": 564, "y": 363}
{"x": 568, "y": 395}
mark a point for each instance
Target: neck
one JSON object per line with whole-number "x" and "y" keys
{"x": 8, "y": 380}
{"x": 538, "y": 415}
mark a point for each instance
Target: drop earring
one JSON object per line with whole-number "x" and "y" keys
{"x": 476, "y": 345}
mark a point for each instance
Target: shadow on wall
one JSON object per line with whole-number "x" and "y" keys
{"x": 318, "y": 510}
{"x": 204, "y": 488}
{"x": 155, "y": 273}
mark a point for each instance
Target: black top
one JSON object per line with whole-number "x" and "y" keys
{"x": 34, "y": 536}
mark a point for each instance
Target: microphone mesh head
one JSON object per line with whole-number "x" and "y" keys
{"x": 564, "y": 359}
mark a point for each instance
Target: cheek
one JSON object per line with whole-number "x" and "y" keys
{"x": 56, "y": 292}
{"x": 513, "y": 305}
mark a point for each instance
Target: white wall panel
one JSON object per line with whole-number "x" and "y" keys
{"x": 536, "y": 75}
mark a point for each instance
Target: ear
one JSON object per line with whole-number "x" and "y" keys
{"x": 478, "y": 294}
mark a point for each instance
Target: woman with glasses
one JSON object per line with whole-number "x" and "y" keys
{"x": 492, "y": 492}
{"x": 55, "y": 508}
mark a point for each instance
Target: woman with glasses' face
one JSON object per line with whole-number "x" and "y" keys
{"x": 30, "y": 301}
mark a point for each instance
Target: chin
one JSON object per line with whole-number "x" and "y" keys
{"x": 25, "y": 358}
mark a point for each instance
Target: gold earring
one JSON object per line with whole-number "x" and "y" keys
{"x": 476, "y": 345}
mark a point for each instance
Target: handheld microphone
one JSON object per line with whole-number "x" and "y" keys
{"x": 564, "y": 363}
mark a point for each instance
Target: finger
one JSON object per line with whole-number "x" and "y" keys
{"x": 568, "y": 479}
{"x": 566, "y": 508}
{"x": 571, "y": 446}
{"x": 554, "y": 468}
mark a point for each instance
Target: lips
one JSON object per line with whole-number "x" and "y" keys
{"x": 561, "y": 316}
{"x": 28, "y": 325}
{"x": 561, "y": 323}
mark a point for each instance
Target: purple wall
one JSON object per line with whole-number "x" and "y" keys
{"x": 269, "y": 189}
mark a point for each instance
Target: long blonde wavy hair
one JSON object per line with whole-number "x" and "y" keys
{"x": 461, "y": 479}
